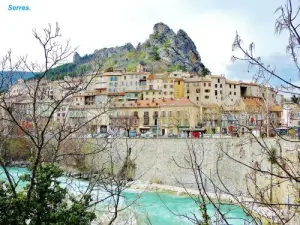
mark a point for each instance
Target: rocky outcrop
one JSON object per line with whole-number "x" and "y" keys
{"x": 103, "y": 53}
{"x": 76, "y": 58}
{"x": 172, "y": 48}
{"x": 164, "y": 49}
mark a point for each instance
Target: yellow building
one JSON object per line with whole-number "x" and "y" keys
{"x": 169, "y": 116}
{"x": 179, "y": 88}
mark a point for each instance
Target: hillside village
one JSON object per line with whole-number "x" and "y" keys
{"x": 180, "y": 103}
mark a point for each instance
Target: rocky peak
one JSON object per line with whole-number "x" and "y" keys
{"x": 76, "y": 57}
{"x": 164, "y": 49}
{"x": 174, "y": 49}
{"x": 162, "y": 28}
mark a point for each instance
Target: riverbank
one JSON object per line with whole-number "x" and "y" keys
{"x": 264, "y": 213}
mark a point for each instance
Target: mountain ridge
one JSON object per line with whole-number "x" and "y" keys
{"x": 163, "y": 51}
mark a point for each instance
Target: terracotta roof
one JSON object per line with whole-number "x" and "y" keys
{"x": 116, "y": 93}
{"x": 151, "y": 77}
{"x": 157, "y": 103}
{"x": 276, "y": 108}
{"x": 253, "y": 102}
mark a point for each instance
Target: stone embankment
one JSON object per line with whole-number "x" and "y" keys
{"x": 21, "y": 164}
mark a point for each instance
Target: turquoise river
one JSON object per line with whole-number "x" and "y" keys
{"x": 159, "y": 208}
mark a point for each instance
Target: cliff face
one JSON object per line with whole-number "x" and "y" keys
{"x": 164, "y": 50}
{"x": 173, "y": 49}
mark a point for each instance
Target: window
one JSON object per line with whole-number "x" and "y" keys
{"x": 163, "y": 114}
{"x": 197, "y": 98}
{"x": 218, "y": 80}
{"x": 220, "y": 92}
{"x": 209, "y": 84}
{"x": 234, "y": 93}
{"x": 206, "y": 97}
{"x": 216, "y": 85}
{"x": 146, "y": 118}
{"x": 198, "y": 90}
{"x": 220, "y": 85}
{"x": 155, "y": 115}
{"x": 216, "y": 92}
{"x": 165, "y": 93}
{"x": 207, "y": 91}
{"x": 204, "y": 84}
{"x": 178, "y": 82}
{"x": 171, "y": 92}
{"x": 188, "y": 91}
{"x": 229, "y": 85}
{"x": 165, "y": 86}
{"x": 124, "y": 77}
{"x": 171, "y": 86}
{"x": 89, "y": 100}
{"x": 230, "y": 93}
{"x": 147, "y": 93}
{"x": 188, "y": 97}
{"x": 234, "y": 86}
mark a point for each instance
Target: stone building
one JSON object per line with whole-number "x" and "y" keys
{"x": 163, "y": 116}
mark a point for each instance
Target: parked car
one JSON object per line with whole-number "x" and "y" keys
{"x": 133, "y": 133}
{"x": 147, "y": 135}
{"x": 101, "y": 135}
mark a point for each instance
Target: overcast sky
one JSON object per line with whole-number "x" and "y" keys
{"x": 95, "y": 24}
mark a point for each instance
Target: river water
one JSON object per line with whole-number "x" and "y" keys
{"x": 159, "y": 208}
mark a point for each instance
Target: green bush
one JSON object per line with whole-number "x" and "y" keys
{"x": 154, "y": 54}
{"x": 17, "y": 149}
{"x": 131, "y": 67}
{"x": 167, "y": 44}
{"x": 173, "y": 68}
{"x": 48, "y": 203}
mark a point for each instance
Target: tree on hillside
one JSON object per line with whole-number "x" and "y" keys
{"x": 272, "y": 182}
{"x": 44, "y": 116}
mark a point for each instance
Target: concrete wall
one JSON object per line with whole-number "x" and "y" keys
{"x": 156, "y": 160}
